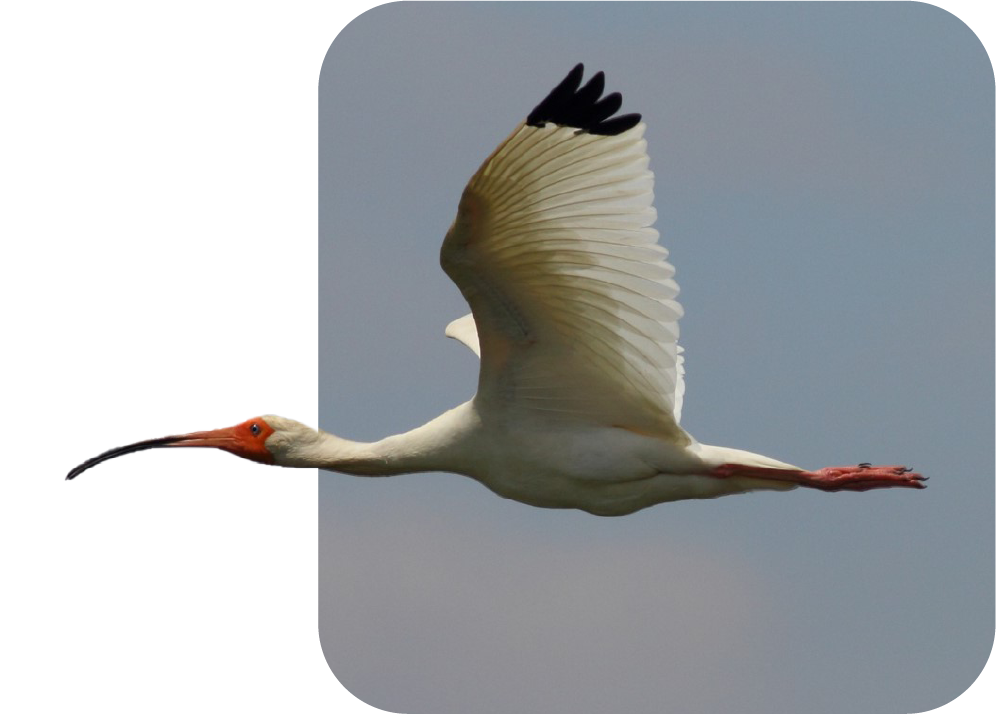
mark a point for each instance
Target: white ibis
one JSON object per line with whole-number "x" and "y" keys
{"x": 574, "y": 317}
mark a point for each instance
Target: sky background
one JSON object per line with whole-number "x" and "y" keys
{"x": 824, "y": 182}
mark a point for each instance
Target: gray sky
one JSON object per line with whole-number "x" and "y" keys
{"x": 824, "y": 183}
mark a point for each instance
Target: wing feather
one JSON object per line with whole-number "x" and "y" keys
{"x": 554, "y": 249}
{"x": 464, "y": 330}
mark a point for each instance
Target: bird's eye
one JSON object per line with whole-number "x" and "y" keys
{"x": 254, "y": 429}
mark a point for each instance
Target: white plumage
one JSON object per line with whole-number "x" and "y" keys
{"x": 573, "y": 300}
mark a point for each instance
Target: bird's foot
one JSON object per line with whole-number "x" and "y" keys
{"x": 862, "y": 477}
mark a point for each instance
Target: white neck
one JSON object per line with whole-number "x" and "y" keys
{"x": 442, "y": 444}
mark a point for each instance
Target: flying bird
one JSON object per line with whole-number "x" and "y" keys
{"x": 575, "y": 320}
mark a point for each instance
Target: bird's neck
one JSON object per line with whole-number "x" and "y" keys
{"x": 440, "y": 445}
{"x": 387, "y": 457}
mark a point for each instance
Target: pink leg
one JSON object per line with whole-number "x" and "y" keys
{"x": 862, "y": 477}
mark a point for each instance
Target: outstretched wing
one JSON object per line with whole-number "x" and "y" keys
{"x": 552, "y": 246}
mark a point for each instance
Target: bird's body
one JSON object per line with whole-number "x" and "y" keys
{"x": 575, "y": 319}
{"x": 599, "y": 469}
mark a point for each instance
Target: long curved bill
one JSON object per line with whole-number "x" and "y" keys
{"x": 219, "y": 439}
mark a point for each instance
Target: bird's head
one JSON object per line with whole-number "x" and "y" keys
{"x": 267, "y": 439}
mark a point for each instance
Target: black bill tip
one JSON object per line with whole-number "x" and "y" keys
{"x": 121, "y": 451}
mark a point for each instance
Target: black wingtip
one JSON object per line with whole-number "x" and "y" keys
{"x": 570, "y": 104}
